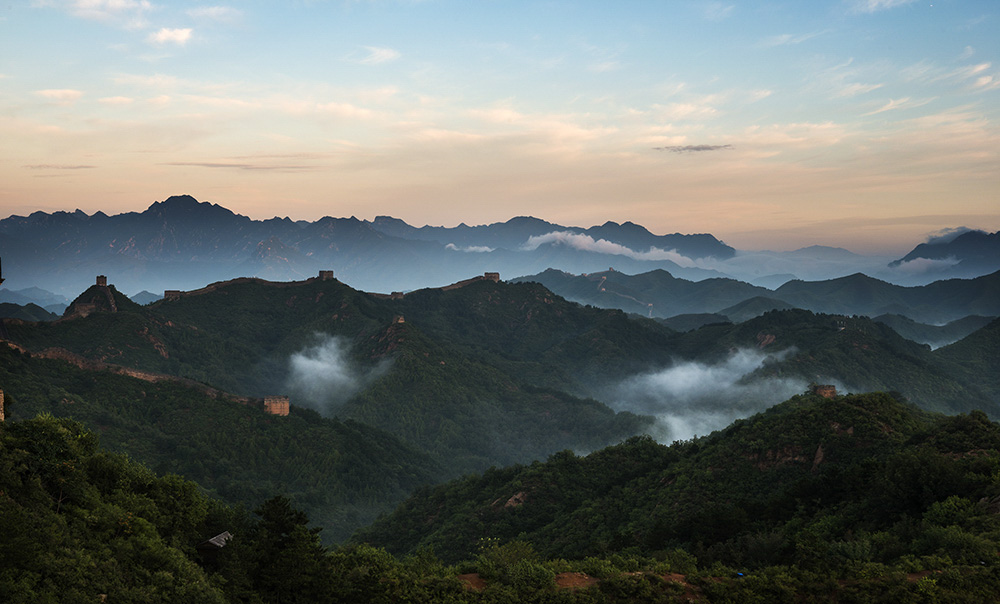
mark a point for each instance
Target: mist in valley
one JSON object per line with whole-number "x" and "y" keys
{"x": 693, "y": 398}
{"x": 323, "y": 376}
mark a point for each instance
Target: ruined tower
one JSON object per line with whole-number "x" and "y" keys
{"x": 102, "y": 280}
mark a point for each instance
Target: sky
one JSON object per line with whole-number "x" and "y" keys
{"x": 864, "y": 124}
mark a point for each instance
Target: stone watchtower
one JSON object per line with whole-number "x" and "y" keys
{"x": 102, "y": 280}
{"x": 276, "y": 405}
{"x": 325, "y": 275}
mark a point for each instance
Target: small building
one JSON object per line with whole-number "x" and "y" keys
{"x": 325, "y": 275}
{"x": 494, "y": 277}
{"x": 102, "y": 280}
{"x": 276, "y": 405}
{"x": 396, "y": 296}
{"x": 209, "y": 549}
{"x": 171, "y": 294}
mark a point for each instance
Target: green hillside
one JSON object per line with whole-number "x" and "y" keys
{"x": 342, "y": 472}
{"x": 976, "y": 358}
{"x": 855, "y": 352}
{"x": 895, "y": 506}
{"x": 816, "y": 483}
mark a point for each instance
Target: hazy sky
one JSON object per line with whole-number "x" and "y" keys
{"x": 866, "y": 124}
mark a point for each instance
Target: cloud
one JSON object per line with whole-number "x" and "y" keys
{"x": 693, "y": 148}
{"x": 685, "y": 111}
{"x": 323, "y": 376}
{"x": 221, "y": 14}
{"x": 243, "y": 166}
{"x": 116, "y": 100}
{"x": 692, "y": 398}
{"x": 587, "y": 243}
{"x": 58, "y": 167}
{"x": 478, "y": 249}
{"x": 130, "y": 14}
{"x": 949, "y": 234}
{"x": 63, "y": 95}
{"x": 874, "y": 6}
{"x": 920, "y": 266}
{"x": 788, "y": 39}
{"x": 378, "y": 55}
{"x": 903, "y": 103}
{"x": 604, "y": 66}
{"x": 167, "y": 35}
{"x": 855, "y": 89}
{"x": 717, "y": 11}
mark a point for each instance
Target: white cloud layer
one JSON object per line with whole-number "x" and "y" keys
{"x": 587, "y": 243}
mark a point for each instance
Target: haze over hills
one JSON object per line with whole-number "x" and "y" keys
{"x": 421, "y": 387}
{"x": 490, "y": 350}
{"x": 181, "y": 243}
{"x": 660, "y": 294}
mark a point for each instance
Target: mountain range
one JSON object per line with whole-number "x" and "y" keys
{"x": 660, "y": 294}
{"x": 181, "y": 243}
{"x": 392, "y": 394}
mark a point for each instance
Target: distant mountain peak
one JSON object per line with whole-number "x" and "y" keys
{"x": 182, "y": 206}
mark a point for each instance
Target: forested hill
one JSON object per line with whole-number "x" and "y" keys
{"x": 489, "y": 373}
{"x": 814, "y": 482}
{"x": 400, "y": 365}
{"x": 658, "y": 293}
{"x": 341, "y": 472}
{"x": 894, "y": 506}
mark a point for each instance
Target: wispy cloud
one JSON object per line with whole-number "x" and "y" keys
{"x": 685, "y": 111}
{"x": 221, "y": 14}
{"x": 116, "y": 100}
{"x": 874, "y": 6}
{"x": 130, "y": 14}
{"x": 855, "y": 89}
{"x": 717, "y": 11}
{"x": 378, "y": 55}
{"x": 243, "y": 166}
{"x": 693, "y": 148}
{"x": 604, "y": 66}
{"x": 903, "y": 103}
{"x": 58, "y": 167}
{"x": 61, "y": 95}
{"x": 788, "y": 39}
{"x": 167, "y": 35}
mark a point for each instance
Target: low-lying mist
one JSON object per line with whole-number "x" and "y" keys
{"x": 692, "y": 398}
{"x": 323, "y": 376}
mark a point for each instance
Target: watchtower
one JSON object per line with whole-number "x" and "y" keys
{"x": 494, "y": 277}
{"x": 325, "y": 275}
{"x": 824, "y": 390}
{"x": 276, "y": 405}
{"x": 102, "y": 280}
